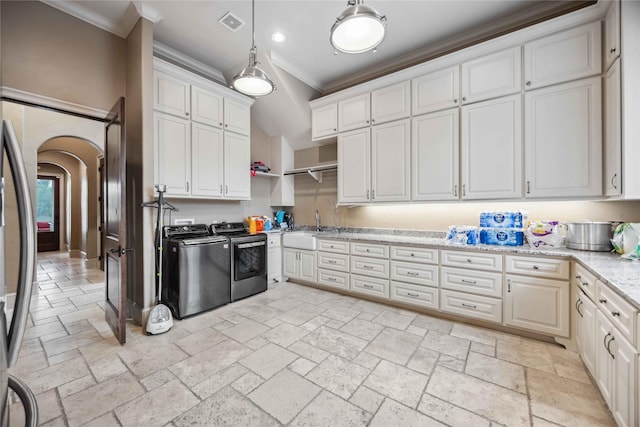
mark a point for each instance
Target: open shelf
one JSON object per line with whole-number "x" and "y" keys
{"x": 268, "y": 175}
{"x": 314, "y": 171}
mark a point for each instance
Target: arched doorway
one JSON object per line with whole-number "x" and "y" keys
{"x": 81, "y": 161}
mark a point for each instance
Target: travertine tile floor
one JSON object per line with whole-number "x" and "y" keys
{"x": 293, "y": 356}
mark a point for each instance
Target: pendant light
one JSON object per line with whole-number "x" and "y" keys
{"x": 252, "y": 81}
{"x": 358, "y": 29}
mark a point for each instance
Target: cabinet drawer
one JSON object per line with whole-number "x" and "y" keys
{"x": 471, "y": 305}
{"x": 618, "y": 311}
{"x": 370, "y": 286}
{"x": 423, "y": 296}
{"x": 539, "y": 267}
{"x": 478, "y": 261}
{"x": 585, "y": 280}
{"x": 370, "y": 249}
{"x": 412, "y": 272}
{"x": 273, "y": 240}
{"x": 336, "y": 279}
{"x": 407, "y": 253}
{"x": 335, "y": 246}
{"x": 370, "y": 266}
{"x": 475, "y": 282}
{"x": 337, "y": 262}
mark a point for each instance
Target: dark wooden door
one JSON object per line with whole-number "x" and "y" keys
{"x": 115, "y": 236}
{"x": 48, "y": 213}
{"x": 101, "y": 209}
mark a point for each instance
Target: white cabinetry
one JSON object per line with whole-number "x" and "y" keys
{"x": 434, "y": 156}
{"x": 563, "y": 140}
{"x": 491, "y": 76}
{"x": 612, "y": 131}
{"x": 300, "y": 264}
{"x": 391, "y": 103}
{"x": 376, "y": 166}
{"x": 274, "y": 257}
{"x": 172, "y": 137}
{"x": 414, "y": 276}
{"x": 491, "y": 149}
{"x": 612, "y": 34}
{"x": 586, "y": 329}
{"x": 563, "y": 56}
{"x": 333, "y": 263}
{"x": 201, "y": 134}
{"x": 354, "y": 113}
{"x": 324, "y": 122}
{"x": 435, "y": 91}
{"x": 370, "y": 269}
{"x": 536, "y": 302}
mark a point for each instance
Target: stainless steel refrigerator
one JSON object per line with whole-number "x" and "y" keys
{"x": 11, "y": 332}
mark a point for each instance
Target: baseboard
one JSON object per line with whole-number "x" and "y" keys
{"x": 76, "y": 253}
{"x": 138, "y": 314}
{"x": 92, "y": 263}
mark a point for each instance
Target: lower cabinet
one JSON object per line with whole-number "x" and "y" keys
{"x": 370, "y": 286}
{"x": 469, "y": 305}
{"x": 300, "y": 264}
{"x": 274, "y": 258}
{"x": 616, "y": 371}
{"x": 586, "y": 329}
{"x": 540, "y": 305}
{"x": 370, "y": 269}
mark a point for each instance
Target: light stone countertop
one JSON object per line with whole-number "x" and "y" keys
{"x": 622, "y": 275}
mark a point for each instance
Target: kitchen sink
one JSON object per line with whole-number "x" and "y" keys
{"x": 299, "y": 240}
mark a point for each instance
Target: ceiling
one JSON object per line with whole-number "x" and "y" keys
{"x": 414, "y": 29}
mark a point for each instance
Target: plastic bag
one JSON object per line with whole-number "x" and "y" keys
{"x": 544, "y": 234}
{"x": 462, "y": 235}
{"x": 626, "y": 239}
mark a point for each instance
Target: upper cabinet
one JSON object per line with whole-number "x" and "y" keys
{"x": 492, "y": 76}
{"x": 612, "y": 34}
{"x": 207, "y": 107}
{"x": 563, "y": 140}
{"x": 237, "y": 117}
{"x": 391, "y": 103}
{"x": 612, "y": 132}
{"x": 354, "y": 113}
{"x": 171, "y": 94}
{"x": 435, "y": 91}
{"x": 324, "y": 122}
{"x": 564, "y": 56}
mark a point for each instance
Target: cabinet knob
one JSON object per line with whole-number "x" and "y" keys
{"x": 613, "y": 50}
{"x": 334, "y": 129}
{"x": 373, "y": 120}
{"x": 535, "y": 267}
{"x": 469, "y": 260}
{"x": 226, "y": 125}
{"x": 367, "y": 121}
{"x": 412, "y": 254}
{"x": 528, "y": 83}
{"x": 464, "y": 98}
{"x": 220, "y": 124}
{"x": 455, "y": 101}
{"x": 186, "y": 114}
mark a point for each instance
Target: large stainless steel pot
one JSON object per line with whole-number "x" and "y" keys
{"x": 590, "y": 236}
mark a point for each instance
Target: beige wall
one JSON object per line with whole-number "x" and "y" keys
{"x": 50, "y": 53}
{"x": 311, "y": 195}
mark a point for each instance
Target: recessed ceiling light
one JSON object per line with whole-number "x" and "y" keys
{"x": 278, "y": 37}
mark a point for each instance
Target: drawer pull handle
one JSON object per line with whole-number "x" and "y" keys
{"x": 412, "y": 254}
{"x": 578, "y": 303}
{"x": 469, "y": 260}
{"x": 508, "y": 285}
{"x": 333, "y": 279}
{"x": 578, "y": 276}
{"x": 608, "y": 344}
{"x": 603, "y": 301}
{"x": 413, "y": 273}
{"x": 615, "y": 313}
{"x": 409, "y": 294}
{"x": 368, "y": 286}
{"x": 585, "y": 283}
{"x": 469, "y": 305}
{"x": 330, "y": 261}
{"x": 535, "y": 267}
{"x": 331, "y": 246}
{"x": 471, "y": 282}
{"x": 368, "y": 250}
{"x": 368, "y": 267}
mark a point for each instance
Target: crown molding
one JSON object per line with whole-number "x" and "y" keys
{"x": 10, "y": 94}
{"x": 89, "y": 16}
{"x": 294, "y": 71}
{"x": 147, "y": 12}
{"x": 170, "y": 54}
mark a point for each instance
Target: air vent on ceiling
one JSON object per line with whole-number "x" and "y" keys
{"x": 231, "y": 21}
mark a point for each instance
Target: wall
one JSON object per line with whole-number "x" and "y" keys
{"x": 48, "y": 169}
{"x": 47, "y": 52}
{"x": 311, "y": 195}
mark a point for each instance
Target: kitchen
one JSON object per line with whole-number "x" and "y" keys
{"x": 312, "y": 195}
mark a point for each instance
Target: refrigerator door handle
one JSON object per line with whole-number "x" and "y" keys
{"x": 27, "y": 244}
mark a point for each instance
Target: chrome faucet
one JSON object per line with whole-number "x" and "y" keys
{"x": 318, "y": 227}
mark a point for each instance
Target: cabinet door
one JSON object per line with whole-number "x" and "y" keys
{"x": 612, "y": 34}
{"x": 604, "y": 360}
{"x": 586, "y": 332}
{"x": 171, "y": 94}
{"x": 491, "y": 149}
{"x": 274, "y": 268}
{"x": 173, "y": 153}
{"x": 435, "y": 91}
{"x": 390, "y": 162}
{"x": 308, "y": 270}
{"x": 290, "y": 264}
{"x": 492, "y": 76}
{"x": 563, "y": 140}
{"x": 540, "y": 305}
{"x": 391, "y": 103}
{"x": 237, "y": 158}
{"x": 354, "y": 166}
{"x": 237, "y": 117}
{"x": 434, "y": 155}
{"x": 206, "y": 107}
{"x": 564, "y": 56}
{"x": 624, "y": 390}
{"x": 324, "y": 121}
{"x": 612, "y": 131}
{"x": 354, "y": 113}
{"x": 207, "y": 160}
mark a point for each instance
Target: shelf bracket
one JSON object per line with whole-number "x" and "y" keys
{"x": 317, "y": 175}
